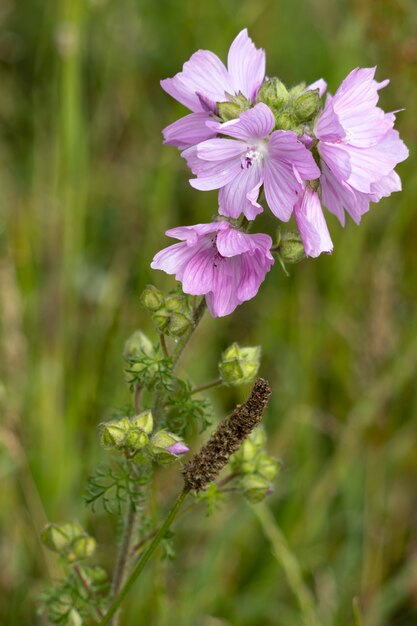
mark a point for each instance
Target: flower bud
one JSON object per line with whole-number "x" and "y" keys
{"x": 144, "y": 421}
{"x": 82, "y": 548}
{"x": 228, "y": 111}
{"x": 58, "y": 537}
{"x": 137, "y": 344}
{"x": 113, "y": 433}
{"x": 176, "y": 304}
{"x": 255, "y": 488}
{"x": 239, "y": 365}
{"x": 266, "y": 466}
{"x": 161, "y": 319}
{"x": 152, "y": 298}
{"x": 291, "y": 248}
{"x": 286, "y": 120}
{"x": 273, "y": 93}
{"x": 306, "y": 105}
{"x": 136, "y": 438}
{"x": 179, "y": 323}
{"x": 166, "y": 447}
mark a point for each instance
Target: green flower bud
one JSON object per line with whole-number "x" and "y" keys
{"x": 152, "y": 298}
{"x": 266, "y": 466}
{"x": 239, "y": 365}
{"x": 113, "y": 433}
{"x": 82, "y": 548}
{"x": 161, "y": 319}
{"x": 144, "y": 421}
{"x": 291, "y": 248}
{"x": 307, "y": 105}
{"x": 179, "y": 324}
{"x": 274, "y": 93}
{"x": 137, "y": 344}
{"x": 136, "y": 439}
{"x": 166, "y": 446}
{"x": 228, "y": 110}
{"x": 58, "y": 537}
{"x": 297, "y": 90}
{"x": 286, "y": 120}
{"x": 255, "y": 488}
{"x": 176, "y": 304}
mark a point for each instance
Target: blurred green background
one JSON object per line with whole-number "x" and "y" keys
{"x": 86, "y": 192}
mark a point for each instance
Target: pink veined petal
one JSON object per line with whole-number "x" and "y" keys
{"x": 246, "y": 65}
{"x": 198, "y": 276}
{"x": 240, "y": 195}
{"x": 328, "y": 126}
{"x": 231, "y": 242}
{"x": 256, "y": 123}
{"x": 319, "y": 84}
{"x": 216, "y": 175}
{"x": 191, "y": 234}
{"x": 385, "y": 186}
{"x": 253, "y": 271}
{"x": 312, "y": 225}
{"x": 338, "y": 196}
{"x": 205, "y": 75}
{"x": 337, "y": 158}
{"x": 188, "y": 130}
{"x": 281, "y": 188}
{"x": 223, "y": 300}
{"x": 173, "y": 259}
{"x": 368, "y": 165}
{"x": 220, "y": 149}
{"x": 284, "y": 146}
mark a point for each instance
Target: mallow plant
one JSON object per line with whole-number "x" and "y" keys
{"x": 295, "y": 152}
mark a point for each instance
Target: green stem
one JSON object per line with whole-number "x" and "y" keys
{"x": 138, "y": 568}
{"x": 198, "y": 314}
{"x": 213, "y": 383}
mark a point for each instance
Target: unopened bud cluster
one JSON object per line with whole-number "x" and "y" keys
{"x": 255, "y": 467}
{"x": 239, "y": 365}
{"x": 171, "y": 314}
{"x": 69, "y": 540}
{"x": 133, "y": 434}
{"x": 293, "y": 109}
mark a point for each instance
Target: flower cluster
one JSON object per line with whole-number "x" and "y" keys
{"x": 248, "y": 134}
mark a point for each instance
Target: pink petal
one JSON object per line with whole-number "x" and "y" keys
{"x": 240, "y": 194}
{"x": 337, "y": 158}
{"x": 256, "y": 123}
{"x": 188, "y": 130}
{"x": 253, "y": 271}
{"x": 220, "y": 149}
{"x": 198, "y": 275}
{"x": 246, "y": 65}
{"x": 368, "y": 165}
{"x": 191, "y": 234}
{"x": 312, "y": 225}
{"x": 284, "y": 146}
{"x": 281, "y": 188}
{"x": 385, "y": 186}
{"x": 173, "y": 260}
{"x": 203, "y": 74}
{"x": 328, "y": 126}
{"x": 223, "y": 300}
{"x": 319, "y": 84}
{"x": 337, "y": 196}
{"x": 232, "y": 242}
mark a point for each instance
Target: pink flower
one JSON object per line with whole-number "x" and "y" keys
{"x": 358, "y": 147}
{"x": 218, "y": 261}
{"x": 204, "y": 81}
{"x": 240, "y": 166}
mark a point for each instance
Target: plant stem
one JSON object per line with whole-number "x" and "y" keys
{"x": 289, "y": 564}
{"x": 89, "y": 591}
{"x": 198, "y": 314}
{"x": 123, "y": 556}
{"x": 164, "y": 345}
{"x": 213, "y": 383}
{"x": 138, "y": 568}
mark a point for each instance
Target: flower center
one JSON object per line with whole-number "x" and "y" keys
{"x": 251, "y": 156}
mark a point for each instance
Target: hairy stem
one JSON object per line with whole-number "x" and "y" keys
{"x": 213, "y": 383}
{"x": 89, "y": 591}
{"x": 198, "y": 314}
{"x": 138, "y": 568}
